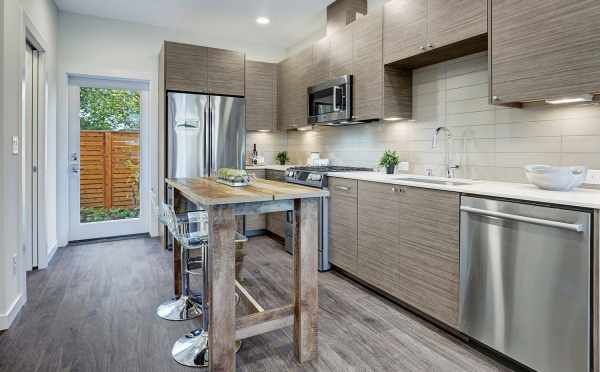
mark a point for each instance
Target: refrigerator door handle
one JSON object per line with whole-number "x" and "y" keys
{"x": 213, "y": 155}
{"x": 206, "y": 143}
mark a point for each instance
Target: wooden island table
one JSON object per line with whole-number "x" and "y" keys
{"x": 223, "y": 204}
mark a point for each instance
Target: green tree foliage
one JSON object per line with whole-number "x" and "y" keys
{"x": 109, "y": 109}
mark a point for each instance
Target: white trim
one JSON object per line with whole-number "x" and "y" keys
{"x": 62, "y": 172}
{"x": 8, "y": 317}
{"x": 82, "y": 231}
{"x": 51, "y": 253}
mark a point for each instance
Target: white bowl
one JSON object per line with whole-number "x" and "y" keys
{"x": 555, "y": 178}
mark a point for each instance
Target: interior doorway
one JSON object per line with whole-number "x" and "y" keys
{"x": 107, "y": 151}
{"x": 33, "y": 106}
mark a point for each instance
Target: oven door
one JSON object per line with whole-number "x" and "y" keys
{"x": 330, "y": 101}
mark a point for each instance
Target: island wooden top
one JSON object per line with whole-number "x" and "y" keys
{"x": 206, "y": 191}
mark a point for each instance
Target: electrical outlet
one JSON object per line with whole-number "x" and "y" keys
{"x": 593, "y": 177}
{"x": 14, "y": 265}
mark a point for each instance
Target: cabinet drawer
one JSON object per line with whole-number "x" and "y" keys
{"x": 258, "y": 173}
{"x": 275, "y": 175}
{"x": 380, "y": 191}
{"x": 343, "y": 186}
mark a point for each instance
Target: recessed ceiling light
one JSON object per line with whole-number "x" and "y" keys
{"x": 263, "y": 20}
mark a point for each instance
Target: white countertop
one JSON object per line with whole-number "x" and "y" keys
{"x": 585, "y": 198}
{"x": 271, "y": 167}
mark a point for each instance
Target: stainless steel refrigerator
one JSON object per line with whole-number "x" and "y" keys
{"x": 205, "y": 133}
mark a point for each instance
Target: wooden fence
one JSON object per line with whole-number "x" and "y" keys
{"x": 110, "y": 164}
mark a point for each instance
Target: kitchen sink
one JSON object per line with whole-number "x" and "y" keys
{"x": 433, "y": 181}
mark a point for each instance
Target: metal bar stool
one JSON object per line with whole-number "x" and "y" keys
{"x": 192, "y": 349}
{"x": 191, "y": 230}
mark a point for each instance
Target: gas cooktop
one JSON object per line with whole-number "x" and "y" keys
{"x": 316, "y": 176}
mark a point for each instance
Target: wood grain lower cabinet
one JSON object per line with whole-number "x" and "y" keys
{"x": 429, "y": 251}
{"x": 343, "y": 224}
{"x": 408, "y": 246}
{"x": 256, "y": 222}
{"x": 276, "y": 221}
{"x": 546, "y": 49}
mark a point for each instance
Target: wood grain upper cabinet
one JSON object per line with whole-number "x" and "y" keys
{"x": 185, "y": 67}
{"x": 412, "y": 27}
{"x": 340, "y": 54}
{"x": 450, "y": 21}
{"x": 404, "y": 29}
{"x": 261, "y": 96}
{"x": 294, "y": 79}
{"x": 343, "y": 223}
{"x": 368, "y": 66}
{"x": 198, "y": 69}
{"x": 225, "y": 72}
{"x": 546, "y": 49}
{"x": 321, "y": 61}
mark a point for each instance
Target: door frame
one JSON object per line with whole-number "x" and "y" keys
{"x": 44, "y": 251}
{"x": 94, "y": 230}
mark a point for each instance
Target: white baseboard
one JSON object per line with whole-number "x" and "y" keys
{"x": 7, "y": 318}
{"x": 51, "y": 252}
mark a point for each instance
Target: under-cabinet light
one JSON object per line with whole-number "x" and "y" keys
{"x": 561, "y": 101}
{"x": 393, "y": 118}
{"x": 304, "y": 129}
{"x": 263, "y": 20}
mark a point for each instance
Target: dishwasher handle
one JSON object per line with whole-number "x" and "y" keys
{"x": 538, "y": 221}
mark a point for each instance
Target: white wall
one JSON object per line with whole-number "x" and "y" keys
{"x": 44, "y": 18}
{"x": 102, "y": 47}
{"x": 490, "y": 142}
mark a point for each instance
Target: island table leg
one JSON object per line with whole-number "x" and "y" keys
{"x": 221, "y": 298}
{"x": 306, "y": 249}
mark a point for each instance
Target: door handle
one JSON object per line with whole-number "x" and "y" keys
{"x": 537, "y": 221}
{"x": 75, "y": 169}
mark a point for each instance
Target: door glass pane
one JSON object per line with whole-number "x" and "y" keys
{"x": 109, "y": 143}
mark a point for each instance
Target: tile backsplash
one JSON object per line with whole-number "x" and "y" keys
{"x": 267, "y": 144}
{"x": 488, "y": 142}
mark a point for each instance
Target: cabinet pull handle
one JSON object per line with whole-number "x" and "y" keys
{"x": 343, "y": 188}
{"x": 397, "y": 189}
{"x": 429, "y": 45}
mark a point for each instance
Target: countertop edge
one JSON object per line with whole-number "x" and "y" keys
{"x": 581, "y": 198}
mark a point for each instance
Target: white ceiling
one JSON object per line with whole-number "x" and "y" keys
{"x": 291, "y": 20}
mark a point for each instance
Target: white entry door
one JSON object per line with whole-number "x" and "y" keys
{"x": 107, "y": 152}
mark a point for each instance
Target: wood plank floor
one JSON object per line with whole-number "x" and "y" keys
{"x": 93, "y": 309}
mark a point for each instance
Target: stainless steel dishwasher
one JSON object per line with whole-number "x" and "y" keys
{"x": 525, "y": 282}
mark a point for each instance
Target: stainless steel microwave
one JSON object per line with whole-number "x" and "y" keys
{"x": 331, "y": 102}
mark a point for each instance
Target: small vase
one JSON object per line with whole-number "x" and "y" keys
{"x": 390, "y": 169}
{"x": 281, "y": 162}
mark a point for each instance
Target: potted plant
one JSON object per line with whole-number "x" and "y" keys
{"x": 282, "y": 157}
{"x": 389, "y": 160}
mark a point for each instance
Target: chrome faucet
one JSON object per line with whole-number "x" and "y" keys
{"x": 450, "y": 166}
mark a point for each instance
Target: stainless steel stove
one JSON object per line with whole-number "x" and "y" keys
{"x": 315, "y": 177}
